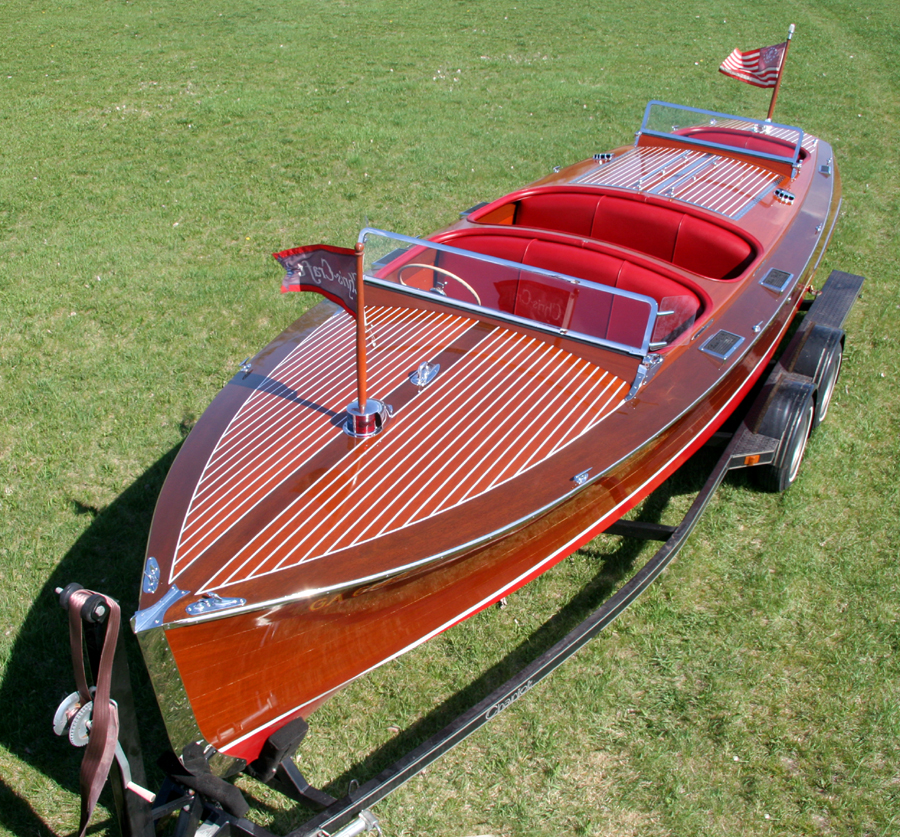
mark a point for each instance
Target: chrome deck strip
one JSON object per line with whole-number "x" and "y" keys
{"x": 669, "y": 187}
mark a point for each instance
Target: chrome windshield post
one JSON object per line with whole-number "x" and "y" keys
{"x": 645, "y": 371}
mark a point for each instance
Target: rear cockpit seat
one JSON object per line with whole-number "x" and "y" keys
{"x": 685, "y": 240}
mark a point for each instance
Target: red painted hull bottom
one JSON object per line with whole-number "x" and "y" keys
{"x": 270, "y": 666}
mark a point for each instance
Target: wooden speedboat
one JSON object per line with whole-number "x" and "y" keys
{"x": 537, "y": 369}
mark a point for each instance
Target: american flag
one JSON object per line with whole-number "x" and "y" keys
{"x": 759, "y": 66}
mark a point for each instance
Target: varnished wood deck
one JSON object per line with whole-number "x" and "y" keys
{"x": 507, "y": 404}
{"x": 720, "y": 184}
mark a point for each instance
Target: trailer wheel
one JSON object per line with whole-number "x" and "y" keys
{"x": 820, "y": 359}
{"x": 832, "y": 371}
{"x": 789, "y": 418}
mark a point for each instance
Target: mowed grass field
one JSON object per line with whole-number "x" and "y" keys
{"x": 153, "y": 156}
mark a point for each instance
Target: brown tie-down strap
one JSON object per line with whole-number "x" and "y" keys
{"x": 104, "y": 725}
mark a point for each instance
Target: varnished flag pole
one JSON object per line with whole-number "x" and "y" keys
{"x": 360, "y": 332}
{"x": 330, "y": 271}
{"x": 780, "y": 71}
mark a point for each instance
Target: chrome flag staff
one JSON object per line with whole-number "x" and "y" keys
{"x": 337, "y": 274}
{"x": 760, "y": 67}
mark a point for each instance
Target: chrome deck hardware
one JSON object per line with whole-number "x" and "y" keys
{"x": 150, "y": 581}
{"x": 213, "y": 601}
{"x": 369, "y": 421}
{"x": 784, "y": 196}
{"x": 424, "y": 374}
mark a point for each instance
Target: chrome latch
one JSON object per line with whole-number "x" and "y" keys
{"x": 151, "y": 576}
{"x": 213, "y": 602}
{"x": 645, "y": 372}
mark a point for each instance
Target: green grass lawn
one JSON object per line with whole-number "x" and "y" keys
{"x": 154, "y": 154}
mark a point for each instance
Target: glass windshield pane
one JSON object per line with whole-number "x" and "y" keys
{"x": 769, "y": 140}
{"x": 538, "y": 298}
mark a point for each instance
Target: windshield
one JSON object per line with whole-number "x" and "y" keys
{"x": 768, "y": 140}
{"x": 541, "y": 299}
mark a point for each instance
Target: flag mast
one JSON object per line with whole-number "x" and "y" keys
{"x": 780, "y": 71}
{"x": 360, "y": 332}
{"x": 365, "y": 416}
{"x": 337, "y": 274}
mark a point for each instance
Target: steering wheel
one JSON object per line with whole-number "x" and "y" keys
{"x": 438, "y": 286}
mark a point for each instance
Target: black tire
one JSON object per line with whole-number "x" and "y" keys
{"x": 831, "y": 373}
{"x": 820, "y": 359}
{"x": 789, "y": 418}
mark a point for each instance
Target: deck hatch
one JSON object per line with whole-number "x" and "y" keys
{"x": 722, "y": 344}
{"x": 776, "y": 280}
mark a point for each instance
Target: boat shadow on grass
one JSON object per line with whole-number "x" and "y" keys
{"x": 108, "y": 558}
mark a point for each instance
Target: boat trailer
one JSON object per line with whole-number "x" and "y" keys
{"x": 771, "y": 437}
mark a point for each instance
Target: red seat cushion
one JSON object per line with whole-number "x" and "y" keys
{"x": 710, "y": 250}
{"x": 637, "y": 225}
{"x": 573, "y": 261}
{"x": 566, "y": 212}
{"x": 670, "y": 296}
{"x": 550, "y": 301}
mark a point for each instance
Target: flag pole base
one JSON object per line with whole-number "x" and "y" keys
{"x": 369, "y": 421}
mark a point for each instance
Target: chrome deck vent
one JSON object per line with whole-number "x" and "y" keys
{"x": 776, "y": 280}
{"x": 784, "y": 196}
{"x": 722, "y": 345}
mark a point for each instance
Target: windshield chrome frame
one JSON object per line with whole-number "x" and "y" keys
{"x": 764, "y": 125}
{"x": 635, "y": 351}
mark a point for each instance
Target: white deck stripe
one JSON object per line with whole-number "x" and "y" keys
{"x": 516, "y": 465}
{"x": 462, "y": 325}
{"x": 726, "y": 188}
{"x": 421, "y": 440}
{"x": 574, "y": 392}
{"x": 363, "y": 487}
